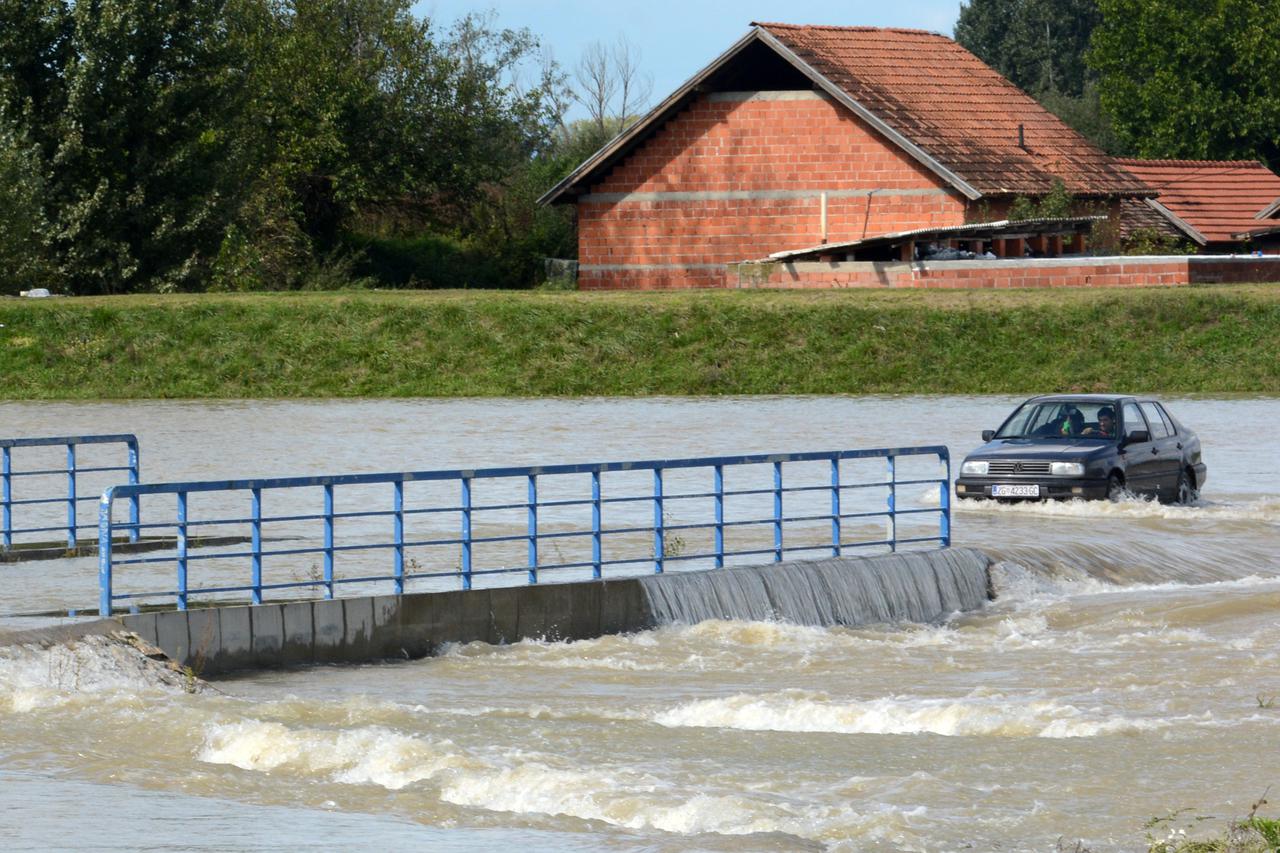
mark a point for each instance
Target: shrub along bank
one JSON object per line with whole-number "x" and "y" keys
{"x": 1220, "y": 339}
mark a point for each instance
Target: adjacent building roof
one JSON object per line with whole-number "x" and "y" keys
{"x": 1212, "y": 201}
{"x": 926, "y": 95}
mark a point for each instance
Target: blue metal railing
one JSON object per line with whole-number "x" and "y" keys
{"x": 72, "y": 472}
{"x": 664, "y": 538}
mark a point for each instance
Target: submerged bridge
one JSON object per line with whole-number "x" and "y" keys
{"x": 231, "y": 574}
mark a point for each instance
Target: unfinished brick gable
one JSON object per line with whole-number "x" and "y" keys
{"x": 741, "y": 175}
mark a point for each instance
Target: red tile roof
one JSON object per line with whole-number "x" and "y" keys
{"x": 957, "y": 109}
{"x": 1219, "y": 198}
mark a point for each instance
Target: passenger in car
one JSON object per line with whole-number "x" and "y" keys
{"x": 1106, "y": 427}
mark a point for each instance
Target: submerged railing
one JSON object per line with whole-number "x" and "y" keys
{"x": 68, "y": 495}
{"x": 529, "y": 520}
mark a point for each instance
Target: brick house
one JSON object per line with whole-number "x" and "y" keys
{"x": 1220, "y": 206}
{"x": 804, "y": 136}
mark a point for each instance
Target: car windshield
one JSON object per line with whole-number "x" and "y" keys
{"x": 1058, "y": 419}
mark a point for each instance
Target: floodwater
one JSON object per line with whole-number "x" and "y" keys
{"x": 1129, "y": 667}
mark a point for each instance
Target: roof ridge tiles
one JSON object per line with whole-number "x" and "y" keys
{"x": 1231, "y": 164}
{"x": 849, "y": 29}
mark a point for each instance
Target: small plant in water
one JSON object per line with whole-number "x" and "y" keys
{"x": 1266, "y": 701}
{"x": 1253, "y": 834}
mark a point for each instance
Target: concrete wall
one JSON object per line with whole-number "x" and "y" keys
{"x": 219, "y": 640}
{"x": 741, "y": 175}
{"x": 1007, "y": 273}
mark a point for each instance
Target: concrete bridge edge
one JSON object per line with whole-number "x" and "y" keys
{"x": 217, "y": 641}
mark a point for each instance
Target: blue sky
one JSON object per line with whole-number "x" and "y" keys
{"x": 678, "y": 38}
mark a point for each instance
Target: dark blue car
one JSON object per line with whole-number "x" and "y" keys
{"x": 1088, "y": 446}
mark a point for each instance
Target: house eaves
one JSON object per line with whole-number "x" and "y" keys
{"x": 1178, "y": 222}
{"x": 623, "y": 143}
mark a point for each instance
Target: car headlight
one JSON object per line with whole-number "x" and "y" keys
{"x": 974, "y": 469}
{"x": 1066, "y": 469}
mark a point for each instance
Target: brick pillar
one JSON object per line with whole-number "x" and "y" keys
{"x": 1055, "y": 245}
{"x": 907, "y": 251}
{"x": 1077, "y": 243}
{"x": 1038, "y": 244}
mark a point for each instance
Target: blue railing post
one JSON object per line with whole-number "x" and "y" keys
{"x": 255, "y": 543}
{"x": 659, "y": 538}
{"x": 397, "y": 567}
{"x": 944, "y": 519}
{"x": 182, "y": 550}
{"x": 135, "y": 474}
{"x": 104, "y": 554}
{"x": 719, "y": 508}
{"x": 835, "y": 508}
{"x": 777, "y": 512}
{"x": 892, "y": 505}
{"x": 466, "y": 532}
{"x": 595, "y": 526}
{"x": 533, "y": 528}
{"x": 328, "y": 540}
{"x": 6, "y": 495}
{"x": 71, "y": 497}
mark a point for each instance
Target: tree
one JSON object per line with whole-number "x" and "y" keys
{"x": 129, "y": 108}
{"x": 23, "y": 226}
{"x": 1194, "y": 79}
{"x": 611, "y": 85}
{"x": 1038, "y": 44}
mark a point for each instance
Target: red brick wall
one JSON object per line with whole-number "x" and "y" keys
{"x": 1095, "y": 272}
{"x": 738, "y": 156}
{"x": 1066, "y": 272}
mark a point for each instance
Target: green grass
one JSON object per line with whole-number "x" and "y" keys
{"x": 1220, "y": 339}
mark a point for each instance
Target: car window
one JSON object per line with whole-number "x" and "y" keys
{"x": 1168, "y": 418}
{"x": 1158, "y": 427}
{"x": 1133, "y": 420}
{"x": 1058, "y": 419}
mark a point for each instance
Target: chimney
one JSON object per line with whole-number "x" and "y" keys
{"x": 1022, "y": 137}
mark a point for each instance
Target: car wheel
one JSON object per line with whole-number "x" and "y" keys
{"x": 1115, "y": 488}
{"x": 1186, "y": 492}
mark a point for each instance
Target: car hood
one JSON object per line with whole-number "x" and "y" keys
{"x": 1040, "y": 448}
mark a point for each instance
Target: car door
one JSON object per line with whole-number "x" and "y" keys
{"x": 1168, "y": 451}
{"x": 1141, "y": 459}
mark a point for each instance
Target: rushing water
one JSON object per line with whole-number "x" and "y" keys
{"x": 1128, "y": 667}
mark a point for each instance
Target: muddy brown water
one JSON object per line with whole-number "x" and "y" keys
{"x": 1128, "y": 667}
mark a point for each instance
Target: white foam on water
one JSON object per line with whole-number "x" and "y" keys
{"x": 367, "y": 755}
{"x": 34, "y": 677}
{"x": 634, "y": 800}
{"x": 974, "y": 715}
{"x": 1264, "y": 509}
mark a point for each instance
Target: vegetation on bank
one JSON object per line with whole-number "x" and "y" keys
{"x": 1220, "y": 339}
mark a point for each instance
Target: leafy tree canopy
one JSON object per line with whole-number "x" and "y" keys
{"x": 1037, "y": 44}
{"x": 1192, "y": 78}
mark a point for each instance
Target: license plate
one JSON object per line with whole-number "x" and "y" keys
{"x": 1015, "y": 491}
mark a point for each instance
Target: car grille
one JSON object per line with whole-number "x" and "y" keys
{"x": 1005, "y": 468}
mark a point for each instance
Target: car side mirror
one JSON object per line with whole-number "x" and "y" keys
{"x": 1138, "y": 436}
{"x": 988, "y": 434}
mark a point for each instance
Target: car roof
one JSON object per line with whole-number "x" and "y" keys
{"x": 1081, "y": 398}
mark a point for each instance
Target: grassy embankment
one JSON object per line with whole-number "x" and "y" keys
{"x": 1220, "y": 339}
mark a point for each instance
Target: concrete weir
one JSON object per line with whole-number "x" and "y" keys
{"x": 920, "y": 586}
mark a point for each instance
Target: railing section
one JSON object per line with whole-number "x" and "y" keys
{"x": 568, "y": 522}
{"x": 68, "y": 495}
